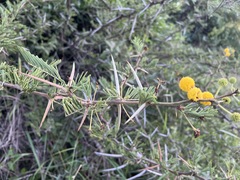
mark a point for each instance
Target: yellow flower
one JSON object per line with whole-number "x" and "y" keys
{"x": 229, "y": 52}
{"x": 206, "y": 95}
{"x": 194, "y": 94}
{"x": 186, "y": 83}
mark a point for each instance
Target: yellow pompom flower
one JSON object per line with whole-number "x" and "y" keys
{"x": 227, "y": 52}
{"x": 207, "y": 95}
{"x": 194, "y": 94}
{"x": 186, "y": 83}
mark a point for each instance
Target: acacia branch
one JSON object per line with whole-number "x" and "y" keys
{"x": 16, "y": 86}
{"x": 88, "y": 102}
{"x": 109, "y": 102}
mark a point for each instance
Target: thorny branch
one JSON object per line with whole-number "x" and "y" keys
{"x": 101, "y": 26}
{"x": 114, "y": 101}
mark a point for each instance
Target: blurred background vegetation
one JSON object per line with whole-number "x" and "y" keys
{"x": 180, "y": 38}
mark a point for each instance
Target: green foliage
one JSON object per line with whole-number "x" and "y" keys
{"x": 115, "y": 106}
{"x": 11, "y": 31}
{"x": 147, "y": 95}
{"x": 83, "y": 86}
{"x": 138, "y": 44}
{"x": 9, "y": 73}
{"x": 50, "y": 69}
{"x": 71, "y": 105}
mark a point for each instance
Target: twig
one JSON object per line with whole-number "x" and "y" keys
{"x": 157, "y": 165}
{"x": 14, "y": 86}
{"x": 159, "y": 151}
{"x": 45, "y": 81}
{"x": 109, "y": 8}
{"x": 228, "y": 94}
{"x": 133, "y": 27}
{"x": 122, "y": 16}
{"x": 110, "y": 22}
{"x": 219, "y": 6}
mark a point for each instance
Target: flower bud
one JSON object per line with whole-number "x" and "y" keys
{"x": 235, "y": 116}
{"x": 232, "y": 80}
{"x": 226, "y": 100}
{"x": 223, "y": 82}
{"x": 197, "y": 133}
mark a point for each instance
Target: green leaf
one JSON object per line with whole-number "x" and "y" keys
{"x": 83, "y": 84}
{"x": 147, "y": 94}
{"x": 132, "y": 93}
{"x": 138, "y": 44}
{"x": 38, "y": 63}
{"x": 71, "y": 105}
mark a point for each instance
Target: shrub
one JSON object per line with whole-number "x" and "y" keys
{"x": 113, "y": 105}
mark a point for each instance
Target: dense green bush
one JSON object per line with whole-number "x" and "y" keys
{"x": 112, "y": 107}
